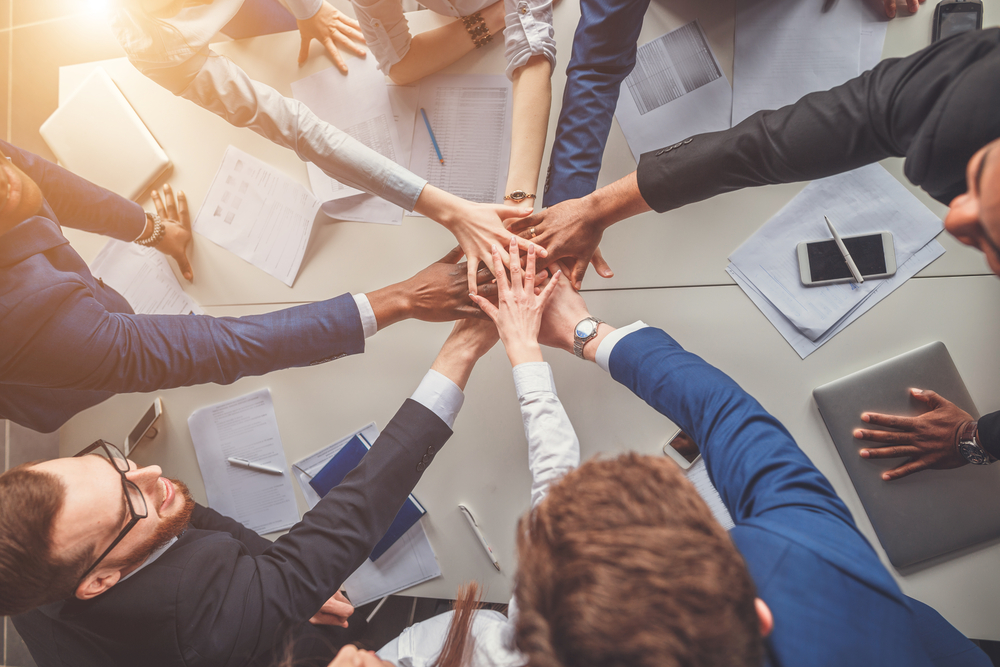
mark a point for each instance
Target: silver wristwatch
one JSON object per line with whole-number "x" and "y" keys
{"x": 585, "y": 330}
{"x": 969, "y": 447}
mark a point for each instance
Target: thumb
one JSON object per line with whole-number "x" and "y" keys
{"x": 929, "y": 398}
{"x": 600, "y": 265}
{"x": 304, "y": 49}
{"x": 579, "y": 269}
{"x": 505, "y": 211}
{"x": 185, "y": 265}
{"x": 453, "y": 256}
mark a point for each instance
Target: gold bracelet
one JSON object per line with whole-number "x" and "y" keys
{"x": 476, "y": 27}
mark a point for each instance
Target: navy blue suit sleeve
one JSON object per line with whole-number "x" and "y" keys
{"x": 604, "y": 49}
{"x": 83, "y": 346}
{"x": 751, "y": 458}
{"x": 289, "y": 582}
{"x": 77, "y": 202}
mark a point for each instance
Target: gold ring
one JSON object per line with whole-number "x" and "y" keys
{"x": 531, "y": 230}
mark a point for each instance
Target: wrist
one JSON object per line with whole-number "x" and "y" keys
{"x": 523, "y": 353}
{"x": 590, "y": 349}
{"x": 442, "y": 207}
{"x": 390, "y": 304}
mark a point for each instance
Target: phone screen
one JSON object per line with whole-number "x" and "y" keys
{"x": 826, "y": 262}
{"x": 140, "y": 429}
{"x": 956, "y": 21}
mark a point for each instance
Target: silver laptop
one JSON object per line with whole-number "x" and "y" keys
{"x": 931, "y": 512}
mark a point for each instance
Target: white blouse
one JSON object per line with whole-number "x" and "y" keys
{"x": 175, "y": 53}
{"x": 528, "y": 29}
{"x": 553, "y": 451}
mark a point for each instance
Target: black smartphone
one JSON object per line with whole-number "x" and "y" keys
{"x": 144, "y": 429}
{"x": 952, "y": 18}
{"x": 822, "y": 263}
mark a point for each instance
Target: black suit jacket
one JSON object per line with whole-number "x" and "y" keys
{"x": 222, "y": 596}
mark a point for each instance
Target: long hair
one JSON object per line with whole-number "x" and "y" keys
{"x": 459, "y": 644}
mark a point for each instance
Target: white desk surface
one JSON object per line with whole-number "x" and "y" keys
{"x": 484, "y": 464}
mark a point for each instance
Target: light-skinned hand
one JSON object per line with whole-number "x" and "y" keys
{"x": 331, "y": 28}
{"x": 929, "y": 440}
{"x": 911, "y": 5}
{"x": 565, "y": 309}
{"x": 334, "y": 611}
{"x": 177, "y": 221}
{"x": 518, "y": 315}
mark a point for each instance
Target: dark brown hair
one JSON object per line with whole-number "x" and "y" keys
{"x": 623, "y": 565}
{"x": 30, "y": 574}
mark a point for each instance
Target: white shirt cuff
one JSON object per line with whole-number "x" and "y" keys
{"x": 441, "y": 396}
{"x": 533, "y": 376}
{"x": 303, "y": 9}
{"x": 368, "y": 321}
{"x": 603, "y": 357}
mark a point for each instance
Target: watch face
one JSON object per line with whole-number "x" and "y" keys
{"x": 585, "y": 328}
{"x": 972, "y": 453}
{"x": 518, "y": 195}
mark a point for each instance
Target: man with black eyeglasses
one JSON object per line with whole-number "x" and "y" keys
{"x": 109, "y": 564}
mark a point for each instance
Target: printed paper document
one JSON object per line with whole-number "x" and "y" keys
{"x": 406, "y": 563}
{"x": 259, "y": 214}
{"x": 676, "y": 90}
{"x": 244, "y": 427}
{"x": 143, "y": 277}
{"x": 471, "y": 118}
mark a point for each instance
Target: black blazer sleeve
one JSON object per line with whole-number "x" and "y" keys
{"x": 205, "y": 518}
{"x": 248, "y": 599}
{"x": 936, "y": 107}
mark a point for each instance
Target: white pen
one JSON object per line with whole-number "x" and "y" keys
{"x": 249, "y": 465}
{"x": 843, "y": 251}
{"x": 479, "y": 534}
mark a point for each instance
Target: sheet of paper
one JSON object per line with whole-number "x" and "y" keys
{"x": 787, "y": 48}
{"x": 259, "y": 214}
{"x": 863, "y": 201}
{"x": 143, "y": 276}
{"x": 697, "y": 474}
{"x": 802, "y": 345}
{"x": 873, "y": 27}
{"x": 247, "y": 428}
{"x": 471, "y": 118}
{"x": 676, "y": 90}
{"x": 406, "y": 563}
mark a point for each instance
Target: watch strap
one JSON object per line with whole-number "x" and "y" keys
{"x": 579, "y": 343}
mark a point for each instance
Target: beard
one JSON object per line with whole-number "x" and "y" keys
{"x": 170, "y": 527}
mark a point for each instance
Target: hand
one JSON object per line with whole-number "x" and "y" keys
{"x": 929, "y": 440}
{"x": 566, "y": 308}
{"x": 334, "y": 611}
{"x": 440, "y": 292}
{"x": 519, "y": 315}
{"x": 890, "y": 7}
{"x": 352, "y": 656}
{"x": 331, "y": 27}
{"x": 177, "y": 220}
{"x": 566, "y": 231}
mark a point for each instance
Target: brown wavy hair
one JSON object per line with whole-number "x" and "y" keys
{"x": 623, "y": 565}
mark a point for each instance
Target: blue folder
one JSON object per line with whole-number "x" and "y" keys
{"x": 334, "y": 472}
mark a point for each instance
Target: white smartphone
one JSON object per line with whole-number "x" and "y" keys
{"x": 682, "y": 449}
{"x": 821, "y": 262}
{"x": 146, "y": 428}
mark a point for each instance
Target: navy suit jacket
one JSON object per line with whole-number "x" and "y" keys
{"x": 222, "y": 596}
{"x": 69, "y": 341}
{"x": 833, "y": 601}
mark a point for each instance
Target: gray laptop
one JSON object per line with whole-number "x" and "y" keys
{"x": 931, "y": 512}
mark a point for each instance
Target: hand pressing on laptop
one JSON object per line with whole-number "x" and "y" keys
{"x": 176, "y": 221}
{"x": 930, "y": 440}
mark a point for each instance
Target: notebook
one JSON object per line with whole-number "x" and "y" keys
{"x": 929, "y": 513}
{"x": 96, "y": 134}
{"x": 334, "y": 472}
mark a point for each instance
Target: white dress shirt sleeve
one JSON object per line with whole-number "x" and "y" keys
{"x": 441, "y": 396}
{"x": 386, "y": 30}
{"x": 368, "y": 322}
{"x": 603, "y": 355}
{"x": 528, "y": 33}
{"x": 303, "y": 9}
{"x": 553, "y": 449}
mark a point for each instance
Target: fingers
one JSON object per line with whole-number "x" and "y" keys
{"x": 491, "y": 311}
{"x": 169, "y": 201}
{"x": 931, "y": 398}
{"x": 889, "y": 452}
{"x": 890, "y": 8}
{"x": 579, "y": 270}
{"x": 503, "y": 287}
{"x": 520, "y": 225}
{"x": 904, "y": 470}
{"x": 912, "y": 6}
{"x": 529, "y": 270}
{"x": 892, "y": 421}
{"x": 600, "y": 265}
{"x": 334, "y": 54}
{"x": 524, "y": 244}
{"x": 184, "y": 214}
{"x": 516, "y": 283}
{"x": 505, "y": 211}
{"x": 453, "y": 256}
{"x": 184, "y": 265}
{"x": 883, "y": 436}
{"x": 158, "y": 203}
{"x": 304, "y": 50}
{"x": 344, "y": 37}
{"x": 543, "y": 298}
{"x": 471, "y": 271}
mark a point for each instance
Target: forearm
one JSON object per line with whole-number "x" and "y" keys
{"x": 532, "y": 101}
{"x": 433, "y": 50}
{"x": 615, "y": 202}
{"x": 455, "y": 361}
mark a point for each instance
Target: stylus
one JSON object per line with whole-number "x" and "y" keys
{"x": 843, "y": 251}
{"x": 249, "y": 465}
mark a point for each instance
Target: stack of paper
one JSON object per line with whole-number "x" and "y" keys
{"x": 259, "y": 214}
{"x": 406, "y": 563}
{"x": 143, "y": 276}
{"x": 864, "y": 201}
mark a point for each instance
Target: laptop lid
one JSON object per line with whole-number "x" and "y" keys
{"x": 929, "y": 513}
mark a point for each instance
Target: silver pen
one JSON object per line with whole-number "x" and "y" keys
{"x": 843, "y": 251}
{"x": 479, "y": 534}
{"x": 257, "y": 467}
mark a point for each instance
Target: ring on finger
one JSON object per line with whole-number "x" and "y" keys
{"x": 531, "y": 230}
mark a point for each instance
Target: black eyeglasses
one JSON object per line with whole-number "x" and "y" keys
{"x": 134, "y": 499}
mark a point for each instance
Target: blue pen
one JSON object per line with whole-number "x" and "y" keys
{"x": 431, "y": 132}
